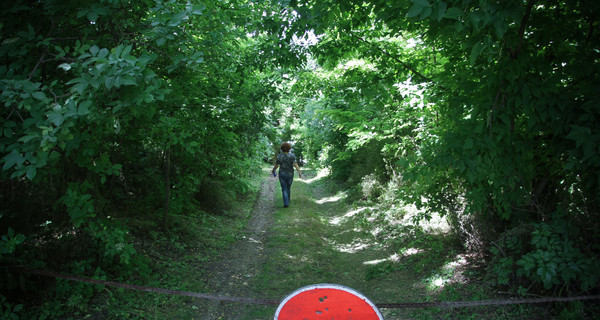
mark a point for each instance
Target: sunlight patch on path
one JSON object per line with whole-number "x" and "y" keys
{"x": 335, "y": 198}
{"x": 320, "y": 174}
{"x": 393, "y": 258}
{"x": 437, "y": 224}
{"x": 292, "y": 258}
{"x": 451, "y": 272}
{"x": 410, "y": 251}
{"x": 408, "y": 216}
{"x": 250, "y": 239}
{"x": 353, "y": 247}
{"x": 336, "y": 221}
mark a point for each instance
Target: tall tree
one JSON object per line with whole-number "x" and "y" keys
{"x": 504, "y": 132}
{"x": 112, "y": 106}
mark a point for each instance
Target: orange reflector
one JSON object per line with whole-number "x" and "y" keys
{"x": 327, "y": 301}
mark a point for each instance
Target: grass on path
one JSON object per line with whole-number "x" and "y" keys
{"x": 321, "y": 238}
{"x": 317, "y": 240}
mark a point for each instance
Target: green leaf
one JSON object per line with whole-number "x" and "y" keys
{"x": 126, "y": 51}
{"x": 12, "y": 159}
{"x": 499, "y": 29}
{"x": 468, "y": 143}
{"x": 75, "y": 80}
{"x": 103, "y": 53}
{"x": 589, "y": 147}
{"x": 31, "y": 171}
{"x": 177, "y": 19}
{"x": 108, "y": 82}
{"x": 414, "y": 11}
{"x": 65, "y": 66}
{"x": 426, "y": 13}
{"x": 422, "y": 3}
{"x": 440, "y": 10}
{"x": 27, "y": 138}
{"x": 94, "y": 50}
{"x": 118, "y": 50}
{"x": 80, "y": 87}
{"x": 579, "y": 134}
{"x": 128, "y": 80}
{"x": 81, "y": 13}
{"x": 7, "y": 132}
{"x": 95, "y": 82}
{"x": 453, "y": 13}
{"x": 39, "y": 95}
{"x": 198, "y": 8}
{"x": 56, "y": 118}
{"x": 84, "y": 108}
{"x": 476, "y": 51}
{"x": 92, "y": 16}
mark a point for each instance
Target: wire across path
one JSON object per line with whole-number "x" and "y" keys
{"x": 401, "y": 305}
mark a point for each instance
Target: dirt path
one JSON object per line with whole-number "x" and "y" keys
{"x": 229, "y": 276}
{"x": 322, "y": 238}
{"x": 313, "y": 241}
{"x": 316, "y": 240}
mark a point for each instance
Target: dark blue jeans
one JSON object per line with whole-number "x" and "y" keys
{"x": 286, "y": 179}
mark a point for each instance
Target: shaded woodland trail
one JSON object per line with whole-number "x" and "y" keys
{"x": 131, "y": 132}
{"x": 229, "y": 275}
{"x": 320, "y": 238}
{"x": 315, "y": 240}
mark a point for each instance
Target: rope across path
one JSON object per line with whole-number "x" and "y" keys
{"x": 150, "y": 289}
{"x": 403, "y": 305}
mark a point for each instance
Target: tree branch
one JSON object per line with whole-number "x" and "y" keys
{"x": 524, "y": 21}
{"x": 37, "y": 65}
{"x": 404, "y": 64}
{"x": 590, "y": 31}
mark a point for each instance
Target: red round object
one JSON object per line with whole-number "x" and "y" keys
{"x": 327, "y": 301}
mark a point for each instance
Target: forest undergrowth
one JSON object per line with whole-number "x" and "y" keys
{"x": 130, "y": 132}
{"x": 327, "y": 235}
{"x": 173, "y": 259}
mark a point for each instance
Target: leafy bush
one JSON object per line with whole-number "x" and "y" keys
{"x": 9, "y": 311}
{"x": 555, "y": 260}
{"x": 10, "y": 241}
{"x": 547, "y": 254}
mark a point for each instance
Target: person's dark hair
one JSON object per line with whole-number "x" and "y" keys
{"x": 286, "y": 147}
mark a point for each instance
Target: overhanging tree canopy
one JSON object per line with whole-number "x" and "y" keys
{"x": 504, "y": 135}
{"x": 486, "y": 111}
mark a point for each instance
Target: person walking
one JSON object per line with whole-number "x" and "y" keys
{"x": 286, "y": 162}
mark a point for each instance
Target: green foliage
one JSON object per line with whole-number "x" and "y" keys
{"x": 481, "y": 110}
{"x": 547, "y": 254}
{"x": 8, "y": 311}
{"x": 10, "y": 241}
{"x": 80, "y": 205}
{"x": 96, "y": 94}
